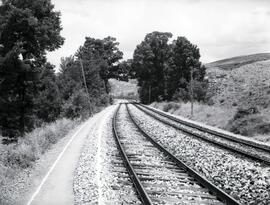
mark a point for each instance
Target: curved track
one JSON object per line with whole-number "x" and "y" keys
{"x": 247, "y": 149}
{"x": 159, "y": 177}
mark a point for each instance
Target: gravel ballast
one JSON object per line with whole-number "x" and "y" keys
{"x": 260, "y": 153}
{"x": 162, "y": 179}
{"x": 244, "y": 179}
{"x": 100, "y": 177}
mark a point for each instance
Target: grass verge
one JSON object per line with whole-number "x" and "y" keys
{"x": 245, "y": 122}
{"x": 210, "y": 115}
{"x": 19, "y": 157}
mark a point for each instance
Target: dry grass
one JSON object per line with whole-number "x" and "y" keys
{"x": 15, "y": 158}
{"x": 244, "y": 83}
{"x": 252, "y": 125}
{"x": 236, "y": 62}
{"x": 210, "y": 115}
{"x": 246, "y": 86}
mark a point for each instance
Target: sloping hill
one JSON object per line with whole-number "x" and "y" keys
{"x": 122, "y": 89}
{"x": 238, "y": 97}
{"x": 242, "y": 85}
{"x": 236, "y": 62}
{"x": 247, "y": 85}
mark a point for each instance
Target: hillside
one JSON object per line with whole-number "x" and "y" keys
{"x": 242, "y": 85}
{"x": 236, "y": 62}
{"x": 122, "y": 89}
{"x": 245, "y": 86}
{"x": 238, "y": 96}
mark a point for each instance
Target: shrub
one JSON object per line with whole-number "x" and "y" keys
{"x": 76, "y": 106}
{"x": 199, "y": 92}
{"x": 21, "y": 155}
{"x": 181, "y": 94}
{"x": 248, "y": 121}
{"x": 35, "y": 143}
{"x": 170, "y": 106}
{"x": 263, "y": 128}
{"x": 104, "y": 100}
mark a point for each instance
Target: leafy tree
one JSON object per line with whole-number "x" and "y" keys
{"x": 15, "y": 99}
{"x": 47, "y": 99}
{"x": 32, "y": 23}
{"x": 69, "y": 79}
{"x": 125, "y": 70}
{"x": 164, "y": 70}
{"x": 97, "y": 60}
{"x": 103, "y": 53}
{"x": 185, "y": 58}
{"x": 149, "y": 62}
{"x": 70, "y": 82}
{"x": 77, "y": 105}
{"x": 28, "y": 28}
{"x": 74, "y": 100}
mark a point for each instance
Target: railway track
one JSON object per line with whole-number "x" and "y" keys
{"x": 158, "y": 176}
{"x": 248, "y": 149}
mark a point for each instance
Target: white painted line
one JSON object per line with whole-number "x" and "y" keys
{"x": 54, "y": 164}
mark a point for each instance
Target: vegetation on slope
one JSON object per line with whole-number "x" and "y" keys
{"x": 236, "y": 62}
{"x": 211, "y": 115}
{"x": 238, "y": 99}
{"x": 245, "y": 89}
{"x": 245, "y": 86}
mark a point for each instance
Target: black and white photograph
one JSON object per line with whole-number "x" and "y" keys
{"x": 134, "y": 102}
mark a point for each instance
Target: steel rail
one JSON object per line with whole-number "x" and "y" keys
{"x": 208, "y": 130}
{"x": 136, "y": 181}
{"x": 223, "y": 196}
{"x": 220, "y": 144}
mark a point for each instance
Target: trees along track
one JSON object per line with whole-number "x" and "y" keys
{"x": 250, "y": 149}
{"x": 168, "y": 181}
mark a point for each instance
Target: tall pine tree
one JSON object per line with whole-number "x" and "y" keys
{"x": 28, "y": 28}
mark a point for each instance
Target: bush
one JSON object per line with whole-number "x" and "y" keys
{"x": 104, "y": 100}
{"x": 21, "y": 155}
{"x": 76, "y": 106}
{"x": 248, "y": 122}
{"x": 199, "y": 92}
{"x": 170, "y": 106}
{"x": 35, "y": 143}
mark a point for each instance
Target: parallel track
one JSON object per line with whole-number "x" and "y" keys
{"x": 249, "y": 150}
{"x": 185, "y": 186}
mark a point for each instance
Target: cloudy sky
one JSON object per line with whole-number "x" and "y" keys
{"x": 221, "y": 29}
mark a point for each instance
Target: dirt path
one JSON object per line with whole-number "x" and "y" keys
{"x": 57, "y": 186}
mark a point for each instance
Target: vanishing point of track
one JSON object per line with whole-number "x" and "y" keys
{"x": 247, "y": 149}
{"x": 177, "y": 183}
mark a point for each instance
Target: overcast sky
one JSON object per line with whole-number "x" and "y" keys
{"x": 220, "y": 28}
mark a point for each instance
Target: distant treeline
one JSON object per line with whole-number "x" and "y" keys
{"x": 31, "y": 93}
